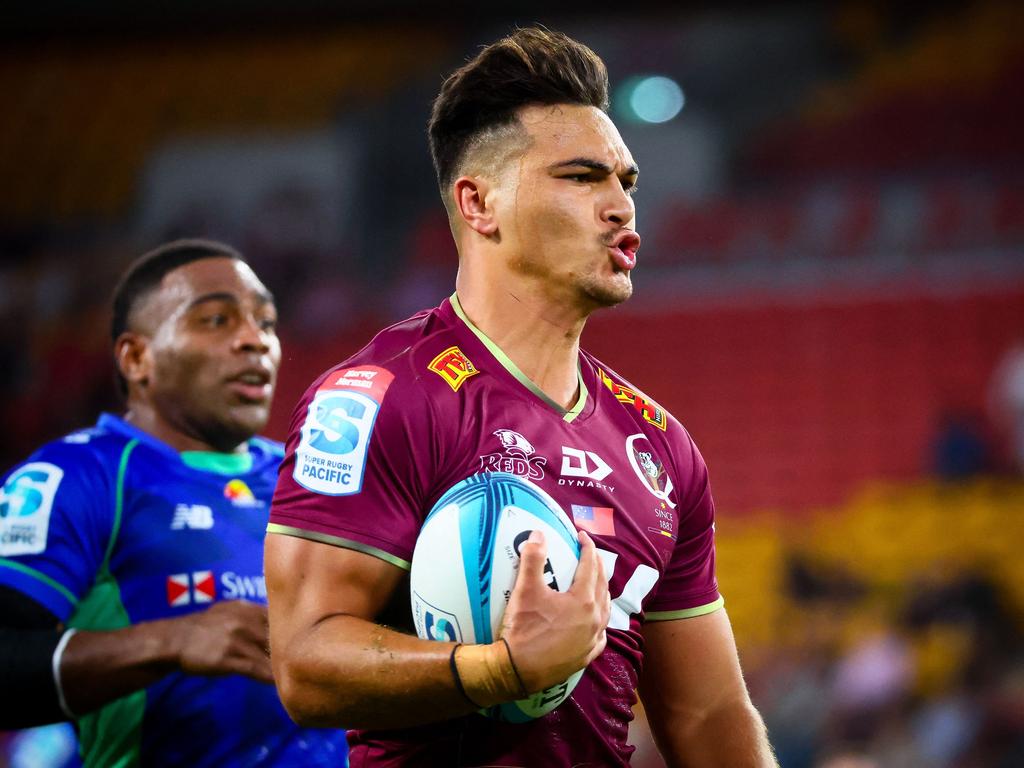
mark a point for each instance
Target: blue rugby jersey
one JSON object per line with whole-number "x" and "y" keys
{"x": 109, "y": 527}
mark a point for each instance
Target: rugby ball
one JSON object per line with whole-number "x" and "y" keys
{"x": 466, "y": 560}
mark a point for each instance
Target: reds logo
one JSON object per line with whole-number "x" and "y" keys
{"x": 517, "y": 459}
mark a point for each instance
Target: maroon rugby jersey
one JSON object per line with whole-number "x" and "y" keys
{"x": 377, "y": 440}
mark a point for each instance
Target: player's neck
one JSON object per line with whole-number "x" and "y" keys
{"x": 150, "y": 421}
{"x": 541, "y": 338}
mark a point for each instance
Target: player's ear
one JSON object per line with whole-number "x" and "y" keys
{"x": 471, "y": 204}
{"x": 131, "y": 353}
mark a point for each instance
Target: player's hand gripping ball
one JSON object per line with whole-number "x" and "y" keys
{"x": 465, "y": 564}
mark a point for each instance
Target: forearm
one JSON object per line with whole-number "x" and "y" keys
{"x": 351, "y": 673}
{"x": 99, "y": 667}
{"x": 730, "y": 736}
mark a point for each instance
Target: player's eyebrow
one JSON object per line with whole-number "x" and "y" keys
{"x": 631, "y": 171}
{"x": 262, "y": 297}
{"x": 596, "y": 165}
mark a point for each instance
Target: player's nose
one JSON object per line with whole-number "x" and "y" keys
{"x": 253, "y": 336}
{"x": 617, "y": 207}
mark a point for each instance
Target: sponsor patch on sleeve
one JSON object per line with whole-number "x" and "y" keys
{"x": 331, "y": 456}
{"x": 454, "y": 367}
{"x": 649, "y": 410}
{"x": 26, "y": 501}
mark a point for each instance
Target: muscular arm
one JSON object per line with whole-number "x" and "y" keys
{"x": 696, "y": 701}
{"x": 99, "y": 667}
{"x": 335, "y": 666}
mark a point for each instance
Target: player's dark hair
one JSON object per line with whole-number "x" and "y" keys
{"x": 145, "y": 274}
{"x": 531, "y": 66}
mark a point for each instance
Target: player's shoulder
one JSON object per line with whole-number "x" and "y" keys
{"x": 266, "y": 453}
{"x": 645, "y": 410}
{"x": 93, "y": 451}
{"x": 401, "y": 356}
{"x": 660, "y": 428}
{"x": 77, "y": 472}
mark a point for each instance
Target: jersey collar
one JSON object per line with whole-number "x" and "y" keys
{"x": 506, "y": 362}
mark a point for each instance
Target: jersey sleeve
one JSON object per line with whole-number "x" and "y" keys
{"x": 357, "y": 464}
{"x": 56, "y": 518}
{"x": 689, "y": 586}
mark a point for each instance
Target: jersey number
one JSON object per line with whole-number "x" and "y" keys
{"x": 637, "y": 588}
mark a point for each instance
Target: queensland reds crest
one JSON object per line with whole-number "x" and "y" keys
{"x": 517, "y": 457}
{"x": 649, "y": 468}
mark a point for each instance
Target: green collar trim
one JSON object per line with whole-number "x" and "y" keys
{"x": 567, "y": 415}
{"x": 220, "y": 463}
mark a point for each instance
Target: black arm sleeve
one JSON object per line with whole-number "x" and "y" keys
{"x": 28, "y": 637}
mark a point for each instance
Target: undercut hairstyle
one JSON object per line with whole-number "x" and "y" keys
{"x": 532, "y": 66}
{"x": 145, "y": 274}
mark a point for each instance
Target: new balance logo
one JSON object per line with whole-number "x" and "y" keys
{"x": 188, "y": 589}
{"x": 194, "y": 516}
{"x": 577, "y": 463}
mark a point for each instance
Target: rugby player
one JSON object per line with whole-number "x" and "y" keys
{"x": 131, "y": 593}
{"x": 537, "y": 183}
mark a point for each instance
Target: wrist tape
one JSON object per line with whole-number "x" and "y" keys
{"x": 486, "y": 674}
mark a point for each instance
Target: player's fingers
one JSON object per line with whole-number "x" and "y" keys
{"x": 244, "y": 621}
{"x": 598, "y": 648}
{"x": 259, "y": 668}
{"x": 583, "y": 582}
{"x": 254, "y": 665}
{"x": 250, "y": 659}
{"x": 601, "y": 594}
{"x": 533, "y": 554}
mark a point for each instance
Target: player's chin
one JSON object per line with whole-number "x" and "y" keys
{"x": 612, "y": 290}
{"x": 248, "y": 418}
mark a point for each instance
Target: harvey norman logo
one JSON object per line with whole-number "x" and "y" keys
{"x": 199, "y": 587}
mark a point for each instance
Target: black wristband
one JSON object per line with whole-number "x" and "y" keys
{"x": 458, "y": 680}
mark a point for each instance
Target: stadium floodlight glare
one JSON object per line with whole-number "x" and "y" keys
{"x": 653, "y": 99}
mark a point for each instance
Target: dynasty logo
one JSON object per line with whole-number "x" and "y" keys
{"x": 584, "y": 469}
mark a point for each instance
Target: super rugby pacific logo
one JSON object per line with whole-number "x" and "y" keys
{"x": 434, "y": 623}
{"x": 335, "y": 437}
{"x": 517, "y": 457}
{"x": 648, "y": 468}
{"x": 26, "y": 500}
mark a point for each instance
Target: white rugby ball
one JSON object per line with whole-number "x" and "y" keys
{"x": 465, "y": 564}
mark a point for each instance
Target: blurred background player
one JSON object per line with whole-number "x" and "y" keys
{"x": 131, "y": 594}
{"x": 537, "y": 183}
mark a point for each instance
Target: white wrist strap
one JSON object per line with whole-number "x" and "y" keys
{"x": 55, "y": 663}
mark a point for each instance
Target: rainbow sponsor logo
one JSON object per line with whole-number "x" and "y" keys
{"x": 240, "y": 494}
